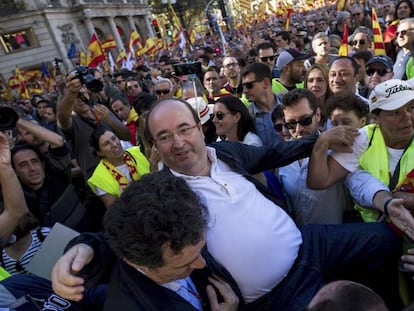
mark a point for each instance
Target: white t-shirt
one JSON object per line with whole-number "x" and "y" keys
{"x": 254, "y": 239}
{"x": 350, "y": 161}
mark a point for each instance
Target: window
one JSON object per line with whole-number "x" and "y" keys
{"x": 18, "y": 40}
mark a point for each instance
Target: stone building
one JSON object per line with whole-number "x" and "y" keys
{"x": 33, "y": 32}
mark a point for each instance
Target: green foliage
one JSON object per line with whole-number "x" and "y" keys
{"x": 191, "y": 10}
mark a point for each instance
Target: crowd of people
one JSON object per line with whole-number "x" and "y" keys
{"x": 249, "y": 183}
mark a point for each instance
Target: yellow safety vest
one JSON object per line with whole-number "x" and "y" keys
{"x": 375, "y": 161}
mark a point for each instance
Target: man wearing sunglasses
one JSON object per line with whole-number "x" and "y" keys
{"x": 266, "y": 54}
{"x": 302, "y": 116}
{"x": 163, "y": 88}
{"x": 378, "y": 69}
{"x": 405, "y": 39}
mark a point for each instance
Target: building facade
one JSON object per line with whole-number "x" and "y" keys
{"x": 33, "y": 32}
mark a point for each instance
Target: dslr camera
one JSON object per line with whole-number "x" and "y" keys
{"x": 86, "y": 77}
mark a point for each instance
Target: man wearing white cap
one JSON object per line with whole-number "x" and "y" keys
{"x": 385, "y": 149}
{"x": 292, "y": 71}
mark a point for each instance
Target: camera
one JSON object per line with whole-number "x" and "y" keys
{"x": 8, "y": 118}
{"x": 184, "y": 69}
{"x": 86, "y": 77}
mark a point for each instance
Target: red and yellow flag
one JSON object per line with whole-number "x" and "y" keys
{"x": 134, "y": 39}
{"x": 109, "y": 44}
{"x": 289, "y": 12}
{"x": 340, "y": 5}
{"x": 95, "y": 54}
{"x": 83, "y": 59}
{"x": 121, "y": 57}
{"x": 391, "y": 31}
{"x": 18, "y": 83}
{"x": 379, "y": 47}
{"x": 343, "y": 48}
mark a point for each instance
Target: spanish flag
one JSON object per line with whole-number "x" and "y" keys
{"x": 83, "y": 58}
{"x": 109, "y": 44}
{"x": 343, "y": 48}
{"x": 95, "y": 55}
{"x": 121, "y": 57}
{"x": 18, "y": 83}
{"x": 134, "y": 39}
{"x": 379, "y": 47}
{"x": 391, "y": 31}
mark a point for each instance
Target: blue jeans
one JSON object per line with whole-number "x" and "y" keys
{"x": 363, "y": 252}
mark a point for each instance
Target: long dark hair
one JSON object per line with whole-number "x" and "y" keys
{"x": 234, "y": 105}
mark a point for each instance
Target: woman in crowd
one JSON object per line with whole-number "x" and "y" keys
{"x": 316, "y": 80}
{"x": 233, "y": 121}
{"x": 117, "y": 167}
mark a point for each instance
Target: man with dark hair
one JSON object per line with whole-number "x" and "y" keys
{"x": 291, "y": 65}
{"x": 257, "y": 87}
{"x": 266, "y": 54}
{"x": 286, "y": 265}
{"x": 343, "y": 76}
{"x": 157, "y": 230}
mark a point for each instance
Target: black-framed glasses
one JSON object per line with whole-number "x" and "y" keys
{"x": 380, "y": 71}
{"x": 361, "y": 42}
{"x": 403, "y": 32}
{"x": 164, "y": 92}
{"x": 220, "y": 115}
{"x": 249, "y": 85}
{"x": 267, "y": 58}
{"x": 303, "y": 122}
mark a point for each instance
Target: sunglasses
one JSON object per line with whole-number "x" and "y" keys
{"x": 220, "y": 115}
{"x": 361, "y": 42}
{"x": 164, "y": 92}
{"x": 291, "y": 125}
{"x": 249, "y": 85}
{"x": 356, "y": 14}
{"x": 268, "y": 58}
{"x": 403, "y": 32}
{"x": 278, "y": 127}
{"x": 381, "y": 72}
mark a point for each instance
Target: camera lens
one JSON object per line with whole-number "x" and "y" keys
{"x": 8, "y": 118}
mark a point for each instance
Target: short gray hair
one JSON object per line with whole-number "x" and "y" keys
{"x": 341, "y": 16}
{"x": 162, "y": 80}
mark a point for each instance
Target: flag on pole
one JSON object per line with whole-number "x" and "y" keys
{"x": 72, "y": 51}
{"x": 379, "y": 47}
{"x": 134, "y": 39}
{"x": 121, "y": 57}
{"x": 343, "y": 48}
{"x": 391, "y": 30}
{"x": 18, "y": 83}
{"x": 289, "y": 12}
{"x": 109, "y": 44}
{"x": 83, "y": 58}
{"x": 95, "y": 55}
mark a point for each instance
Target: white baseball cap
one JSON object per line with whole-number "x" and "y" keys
{"x": 391, "y": 94}
{"x": 204, "y": 111}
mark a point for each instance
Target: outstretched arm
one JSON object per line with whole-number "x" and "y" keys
{"x": 14, "y": 202}
{"x": 54, "y": 139}
{"x": 65, "y": 105}
{"x": 323, "y": 170}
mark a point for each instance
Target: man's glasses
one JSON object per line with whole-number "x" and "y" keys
{"x": 167, "y": 137}
{"x": 403, "y": 32}
{"x": 220, "y": 115}
{"x": 164, "y": 92}
{"x": 268, "y": 58}
{"x": 355, "y": 42}
{"x": 249, "y": 85}
{"x": 381, "y": 71}
{"x": 303, "y": 122}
